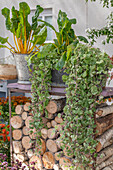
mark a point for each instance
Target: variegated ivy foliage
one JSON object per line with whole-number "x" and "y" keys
{"x": 88, "y": 70}
{"x": 41, "y": 84}
{"x": 27, "y": 37}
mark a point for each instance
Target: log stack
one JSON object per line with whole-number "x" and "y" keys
{"x": 104, "y": 121}
{"x": 49, "y": 155}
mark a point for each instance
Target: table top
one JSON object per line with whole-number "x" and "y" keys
{"x": 107, "y": 91}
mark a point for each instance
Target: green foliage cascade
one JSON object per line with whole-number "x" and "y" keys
{"x": 88, "y": 70}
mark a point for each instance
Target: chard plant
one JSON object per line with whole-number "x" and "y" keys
{"x": 27, "y": 37}
{"x": 64, "y": 37}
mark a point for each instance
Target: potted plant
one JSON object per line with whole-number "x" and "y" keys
{"x": 62, "y": 46}
{"x": 27, "y": 37}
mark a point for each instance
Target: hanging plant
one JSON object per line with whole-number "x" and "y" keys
{"x": 41, "y": 85}
{"x": 88, "y": 71}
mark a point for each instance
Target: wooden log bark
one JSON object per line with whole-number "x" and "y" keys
{"x": 33, "y": 134}
{"x": 16, "y": 122}
{"x": 27, "y": 106}
{"x": 65, "y": 163}
{"x": 59, "y": 119}
{"x": 22, "y": 157}
{"x": 56, "y": 167}
{"x": 107, "y": 168}
{"x": 24, "y": 115}
{"x": 48, "y": 160}
{"x": 28, "y": 121}
{"x": 30, "y": 114}
{"x": 37, "y": 161}
{"x": 59, "y": 142}
{"x": 106, "y": 136}
{"x": 44, "y": 121}
{"x": 26, "y": 142}
{"x": 51, "y": 133}
{"x": 106, "y": 163}
{"x": 25, "y": 130}
{"x": 109, "y": 142}
{"x": 17, "y": 134}
{"x": 105, "y": 154}
{"x": 56, "y": 105}
{"x": 50, "y": 116}
{"x": 17, "y": 146}
{"x": 44, "y": 133}
{"x": 41, "y": 148}
{"x": 49, "y": 124}
{"x": 58, "y": 127}
{"x": 104, "y": 123}
{"x": 30, "y": 153}
{"x": 19, "y": 109}
{"x": 101, "y": 112}
{"x": 51, "y": 145}
{"x": 53, "y": 123}
{"x": 59, "y": 155}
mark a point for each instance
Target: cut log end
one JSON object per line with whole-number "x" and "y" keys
{"x": 48, "y": 160}
{"x": 19, "y": 109}
{"x": 26, "y": 142}
{"x": 17, "y": 134}
{"x": 16, "y": 122}
{"x": 51, "y": 145}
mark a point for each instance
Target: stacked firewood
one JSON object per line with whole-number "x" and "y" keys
{"x": 49, "y": 155}
{"x": 104, "y": 122}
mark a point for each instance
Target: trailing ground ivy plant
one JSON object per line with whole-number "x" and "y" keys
{"x": 88, "y": 70}
{"x": 41, "y": 84}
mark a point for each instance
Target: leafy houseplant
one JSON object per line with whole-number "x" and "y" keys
{"x": 62, "y": 45}
{"x": 64, "y": 37}
{"x": 86, "y": 66}
{"x": 27, "y": 37}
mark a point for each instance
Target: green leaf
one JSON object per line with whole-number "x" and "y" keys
{"x": 3, "y": 46}
{"x": 94, "y": 90}
{"x": 6, "y": 14}
{"x": 39, "y": 10}
{"x": 70, "y": 48}
{"x": 23, "y": 27}
{"x": 62, "y": 17}
{"x": 41, "y": 37}
{"x": 15, "y": 20}
{"x": 84, "y": 74}
{"x": 83, "y": 39}
{"x": 46, "y": 49}
{"x": 61, "y": 62}
{"x": 3, "y": 40}
{"x": 47, "y": 24}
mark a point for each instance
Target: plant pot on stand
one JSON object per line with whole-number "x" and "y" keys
{"x": 22, "y": 69}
